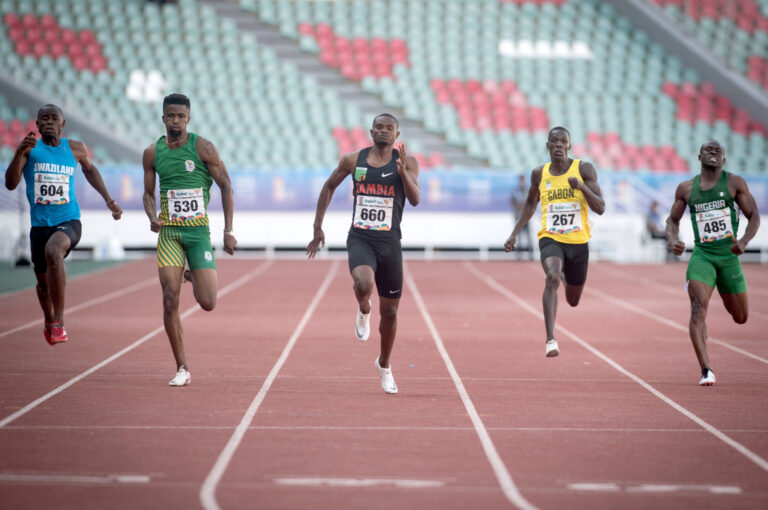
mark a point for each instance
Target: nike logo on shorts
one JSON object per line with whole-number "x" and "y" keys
{"x": 394, "y": 291}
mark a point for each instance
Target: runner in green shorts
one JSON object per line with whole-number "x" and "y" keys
{"x": 715, "y": 260}
{"x": 186, "y": 165}
{"x": 193, "y": 244}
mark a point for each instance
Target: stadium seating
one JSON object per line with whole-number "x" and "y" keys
{"x": 491, "y": 75}
{"x": 114, "y": 61}
{"x": 736, "y": 31}
{"x": 488, "y": 75}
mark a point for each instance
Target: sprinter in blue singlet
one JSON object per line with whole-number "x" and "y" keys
{"x": 48, "y": 166}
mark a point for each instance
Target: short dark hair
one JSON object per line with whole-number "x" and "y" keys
{"x": 50, "y": 106}
{"x": 176, "y": 99}
{"x": 387, "y": 115}
{"x": 558, "y": 128}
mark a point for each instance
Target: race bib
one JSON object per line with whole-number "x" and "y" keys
{"x": 51, "y": 189}
{"x": 185, "y": 204}
{"x": 373, "y": 213}
{"x": 564, "y": 218}
{"x": 714, "y": 225}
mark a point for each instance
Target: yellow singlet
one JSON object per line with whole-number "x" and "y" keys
{"x": 564, "y": 210}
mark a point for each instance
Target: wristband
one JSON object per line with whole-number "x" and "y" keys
{"x": 229, "y": 232}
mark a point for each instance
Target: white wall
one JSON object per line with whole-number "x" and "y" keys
{"x": 617, "y": 237}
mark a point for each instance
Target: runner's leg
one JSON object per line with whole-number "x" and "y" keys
{"x": 699, "y": 294}
{"x": 387, "y": 327}
{"x": 56, "y": 275}
{"x": 553, "y": 266}
{"x": 170, "y": 281}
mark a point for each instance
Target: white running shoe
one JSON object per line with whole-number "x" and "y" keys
{"x": 551, "y": 349}
{"x": 387, "y": 379}
{"x": 708, "y": 380}
{"x": 182, "y": 378}
{"x": 363, "y": 325}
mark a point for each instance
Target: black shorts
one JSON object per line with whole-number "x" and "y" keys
{"x": 575, "y": 258}
{"x": 38, "y": 238}
{"x": 384, "y": 256}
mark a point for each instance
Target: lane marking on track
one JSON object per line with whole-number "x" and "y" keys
{"x": 364, "y": 427}
{"x": 77, "y": 479}
{"x": 752, "y": 456}
{"x": 654, "y": 488}
{"x": 224, "y": 291}
{"x": 359, "y": 482}
{"x": 668, "y": 289}
{"x": 645, "y": 313}
{"x": 87, "y": 304}
{"x": 208, "y": 489}
{"x": 505, "y": 480}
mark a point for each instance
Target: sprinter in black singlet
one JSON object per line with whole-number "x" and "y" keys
{"x": 383, "y": 178}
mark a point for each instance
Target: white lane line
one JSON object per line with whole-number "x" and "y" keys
{"x": 359, "y": 482}
{"x": 666, "y": 488}
{"x": 755, "y": 458}
{"x": 224, "y": 291}
{"x": 672, "y": 324}
{"x": 666, "y": 288}
{"x": 86, "y": 304}
{"x": 601, "y": 430}
{"x": 500, "y": 470}
{"x": 594, "y": 487}
{"x": 77, "y": 479}
{"x": 208, "y": 489}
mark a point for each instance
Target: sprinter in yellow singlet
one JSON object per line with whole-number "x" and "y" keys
{"x": 567, "y": 189}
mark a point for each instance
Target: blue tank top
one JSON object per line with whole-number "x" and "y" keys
{"x": 50, "y": 178}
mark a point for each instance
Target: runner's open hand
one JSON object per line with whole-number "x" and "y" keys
{"x": 27, "y": 144}
{"x": 316, "y": 243}
{"x": 230, "y": 243}
{"x": 401, "y": 166}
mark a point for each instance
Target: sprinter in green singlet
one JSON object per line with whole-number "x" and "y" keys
{"x": 187, "y": 165}
{"x": 715, "y": 260}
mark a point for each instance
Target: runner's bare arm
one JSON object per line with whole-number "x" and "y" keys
{"x": 529, "y": 207}
{"x": 672, "y": 231}
{"x": 590, "y": 188}
{"x": 150, "y": 203}
{"x": 408, "y": 168}
{"x": 210, "y": 156}
{"x": 346, "y": 167}
{"x": 748, "y": 206}
{"x": 20, "y": 157}
{"x": 93, "y": 176}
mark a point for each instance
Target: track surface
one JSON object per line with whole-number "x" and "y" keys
{"x": 285, "y": 408}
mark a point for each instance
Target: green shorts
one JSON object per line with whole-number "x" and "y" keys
{"x": 721, "y": 270}
{"x": 174, "y": 244}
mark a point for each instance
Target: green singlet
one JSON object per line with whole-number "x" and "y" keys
{"x": 715, "y": 224}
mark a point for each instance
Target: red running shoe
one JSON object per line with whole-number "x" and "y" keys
{"x": 58, "y": 333}
{"x": 47, "y": 332}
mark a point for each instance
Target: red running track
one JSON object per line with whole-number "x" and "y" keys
{"x": 285, "y": 408}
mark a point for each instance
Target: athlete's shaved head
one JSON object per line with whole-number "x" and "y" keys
{"x": 397, "y": 122}
{"x": 559, "y": 128}
{"x": 47, "y": 107}
{"x": 711, "y": 142}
